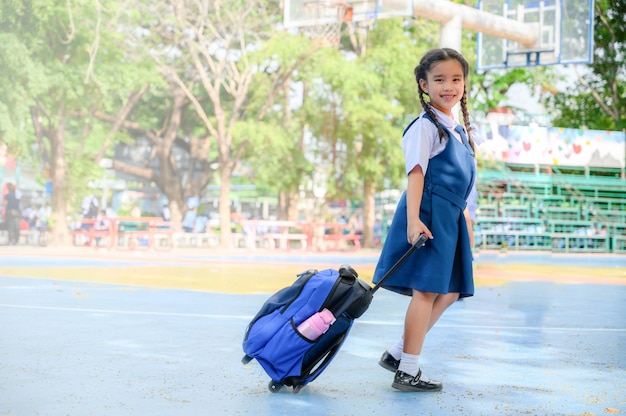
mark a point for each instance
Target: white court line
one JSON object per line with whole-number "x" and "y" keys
{"x": 56, "y": 308}
{"x": 360, "y": 321}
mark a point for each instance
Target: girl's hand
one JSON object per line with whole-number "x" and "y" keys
{"x": 414, "y": 229}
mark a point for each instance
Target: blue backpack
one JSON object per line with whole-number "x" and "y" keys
{"x": 272, "y": 339}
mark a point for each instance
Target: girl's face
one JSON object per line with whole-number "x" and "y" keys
{"x": 444, "y": 85}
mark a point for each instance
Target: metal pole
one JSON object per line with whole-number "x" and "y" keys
{"x": 445, "y": 11}
{"x": 450, "y": 33}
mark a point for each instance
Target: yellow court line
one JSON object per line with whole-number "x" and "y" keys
{"x": 267, "y": 278}
{"x": 215, "y": 277}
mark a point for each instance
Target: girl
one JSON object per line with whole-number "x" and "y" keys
{"x": 439, "y": 156}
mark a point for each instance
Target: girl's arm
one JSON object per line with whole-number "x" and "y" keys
{"x": 470, "y": 227}
{"x": 414, "y": 191}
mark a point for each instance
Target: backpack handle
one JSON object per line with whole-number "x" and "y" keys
{"x": 417, "y": 244}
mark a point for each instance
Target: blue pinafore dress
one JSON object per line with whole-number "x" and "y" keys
{"x": 444, "y": 264}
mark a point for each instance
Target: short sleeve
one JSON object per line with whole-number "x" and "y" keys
{"x": 417, "y": 144}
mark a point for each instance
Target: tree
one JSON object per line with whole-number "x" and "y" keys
{"x": 175, "y": 156}
{"x": 596, "y": 98}
{"x": 47, "y": 51}
{"x": 378, "y": 109}
{"x": 275, "y": 158}
{"x": 152, "y": 115}
{"x": 275, "y": 135}
{"x": 356, "y": 109}
{"x": 223, "y": 81}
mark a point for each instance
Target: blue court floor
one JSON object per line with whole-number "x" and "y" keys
{"x": 522, "y": 348}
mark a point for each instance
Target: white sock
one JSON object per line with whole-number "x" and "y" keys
{"x": 424, "y": 377}
{"x": 410, "y": 364}
{"x": 396, "y": 350}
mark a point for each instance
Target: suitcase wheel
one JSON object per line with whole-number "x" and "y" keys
{"x": 275, "y": 386}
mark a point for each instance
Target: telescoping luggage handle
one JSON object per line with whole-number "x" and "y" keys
{"x": 417, "y": 244}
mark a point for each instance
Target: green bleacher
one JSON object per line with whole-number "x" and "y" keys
{"x": 523, "y": 207}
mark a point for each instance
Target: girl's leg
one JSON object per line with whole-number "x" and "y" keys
{"x": 417, "y": 321}
{"x": 442, "y": 303}
{"x": 409, "y": 377}
{"x": 423, "y": 312}
{"x": 439, "y": 305}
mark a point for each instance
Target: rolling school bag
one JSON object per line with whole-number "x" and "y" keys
{"x": 275, "y": 335}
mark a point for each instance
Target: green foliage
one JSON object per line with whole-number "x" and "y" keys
{"x": 83, "y": 172}
{"x": 61, "y": 63}
{"x": 355, "y": 108}
{"x": 579, "y": 111}
{"x": 596, "y": 98}
{"x": 276, "y": 60}
{"x": 306, "y": 109}
{"x": 489, "y": 89}
{"x": 274, "y": 160}
{"x": 19, "y": 75}
{"x": 397, "y": 46}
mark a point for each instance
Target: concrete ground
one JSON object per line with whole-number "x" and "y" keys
{"x": 520, "y": 346}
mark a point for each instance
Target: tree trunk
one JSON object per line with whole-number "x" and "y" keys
{"x": 175, "y": 180}
{"x": 368, "y": 214}
{"x": 60, "y": 232}
{"x": 288, "y": 206}
{"x": 292, "y": 206}
{"x": 225, "y": 233}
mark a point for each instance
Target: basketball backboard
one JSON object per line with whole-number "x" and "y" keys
{"x": 564, "y": 30}
{"x": 303, "y": 13}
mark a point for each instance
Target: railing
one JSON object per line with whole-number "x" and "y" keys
{"x": 508, "y": 224}
{"x": 274, "y": 235}
{"x": 125, "y": 233}
{"x": 490, "y": 233}
{"x": 518, "y": 240}
{"x": 619, "y": 244}
{"x": 287, "y": 235}
{"x": 146, "y": 233}
{"x": 549, "y": 241}
{"x": 337, "y": 236}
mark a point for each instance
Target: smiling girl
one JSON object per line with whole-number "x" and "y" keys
{"x": 439, "y": 157}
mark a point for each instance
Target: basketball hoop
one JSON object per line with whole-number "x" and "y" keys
{"x": 328, "y": 16}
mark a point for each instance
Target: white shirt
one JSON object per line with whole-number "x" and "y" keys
{"x": 87, "y": 203}
{"x": 421, "y": 141}
{"x": 44, "y": 212}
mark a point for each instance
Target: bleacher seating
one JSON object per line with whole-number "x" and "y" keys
{"x": 544, "y": 208}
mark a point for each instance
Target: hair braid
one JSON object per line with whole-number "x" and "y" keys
{"x": 427, "y": 107}
{"x": 466, "y": 119}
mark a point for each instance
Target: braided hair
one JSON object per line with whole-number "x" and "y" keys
{"x": 421, "y": 71}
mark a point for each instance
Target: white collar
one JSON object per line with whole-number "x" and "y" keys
{"x": 448, "y": 122}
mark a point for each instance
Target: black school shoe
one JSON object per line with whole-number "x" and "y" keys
{"x": 388, "y": 362}
{"x": 406, "y": 382}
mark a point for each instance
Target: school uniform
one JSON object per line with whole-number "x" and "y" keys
{"x": 444, "y": 264}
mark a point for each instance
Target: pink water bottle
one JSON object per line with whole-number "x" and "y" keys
{"x": 313, "y": 327}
